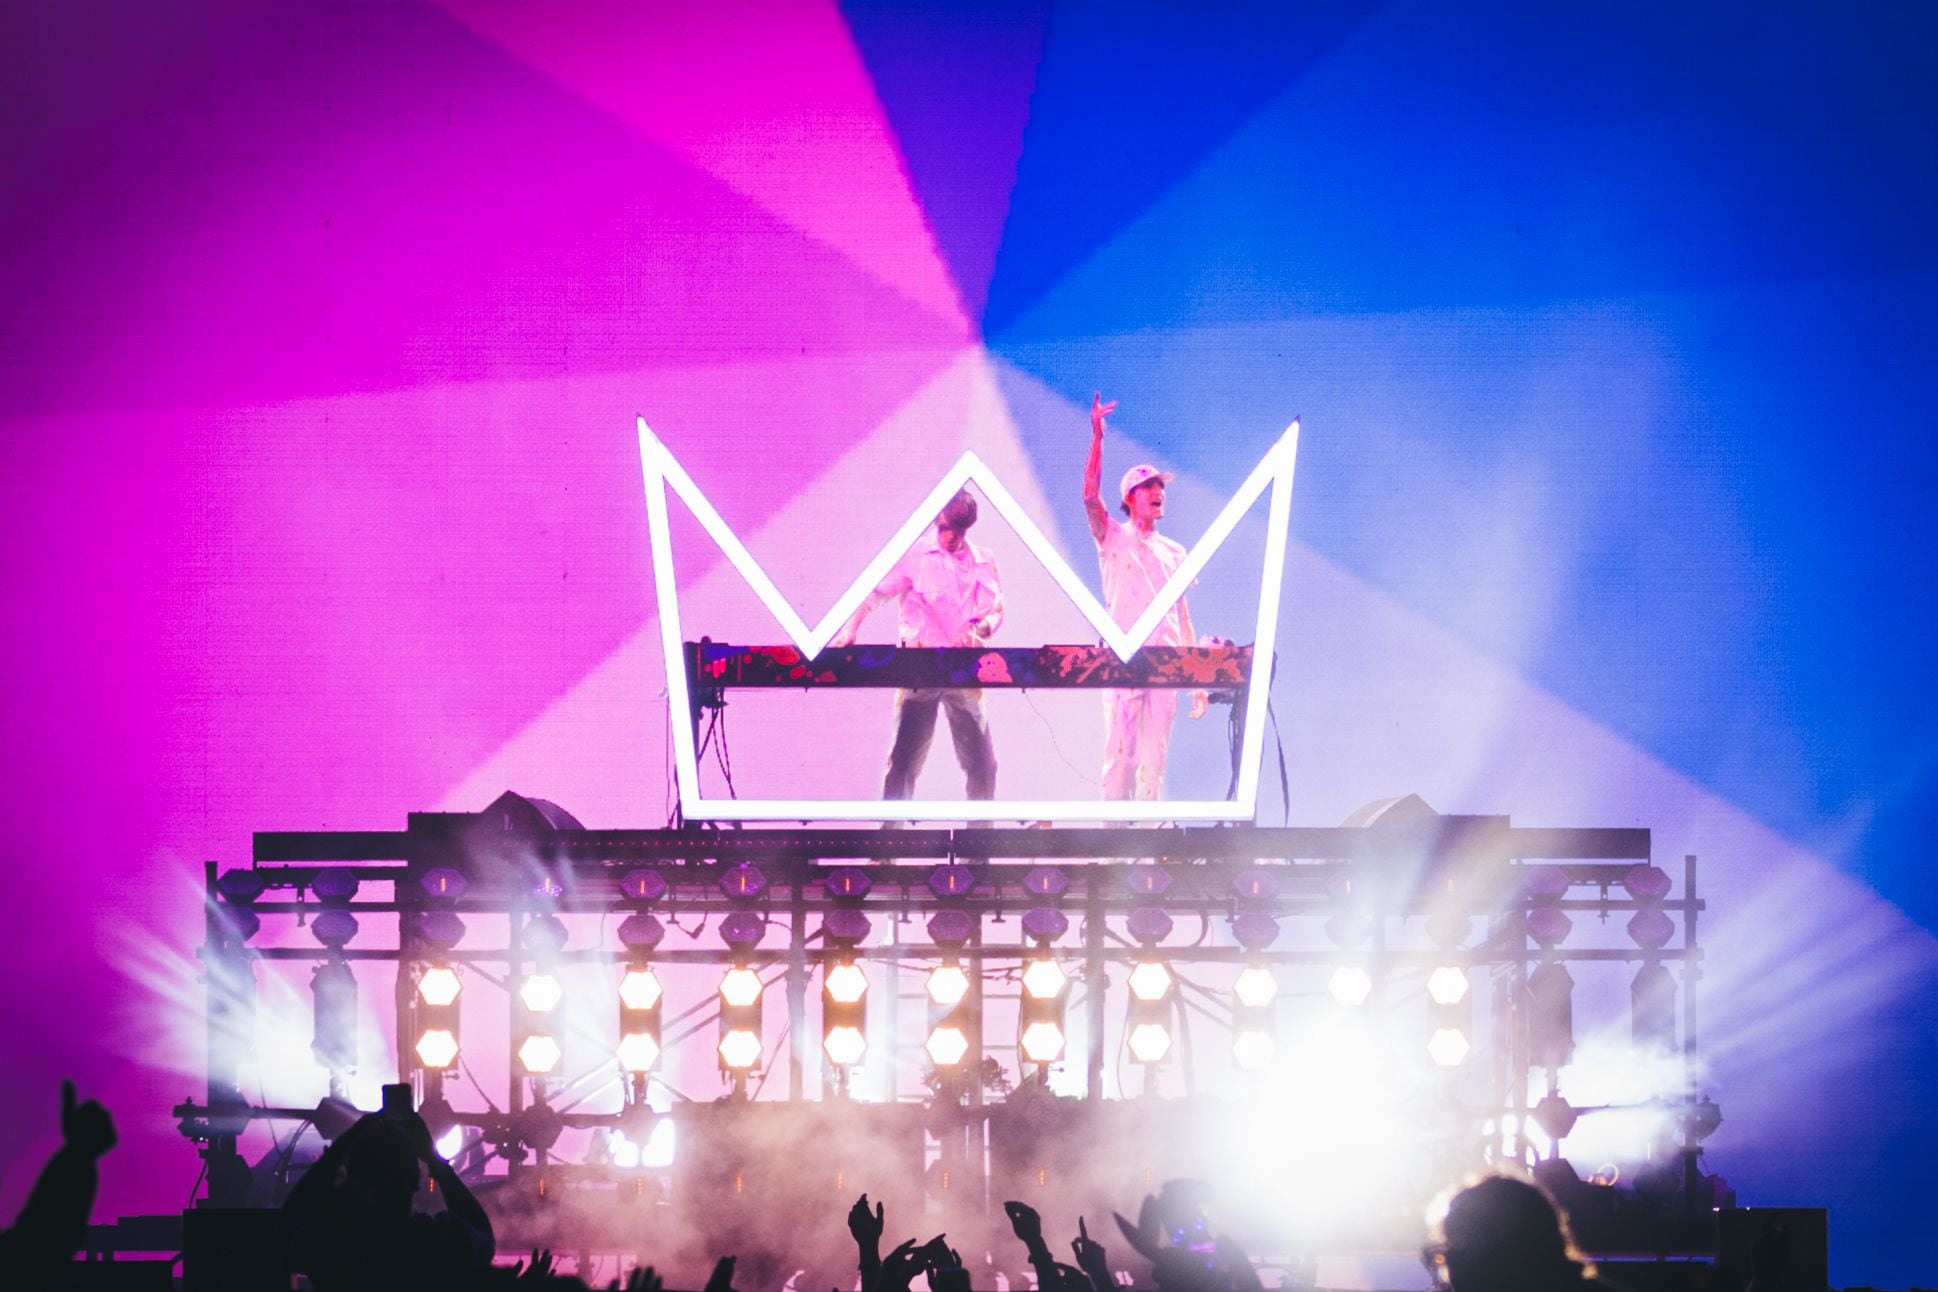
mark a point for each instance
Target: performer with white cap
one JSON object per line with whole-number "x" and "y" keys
{"x": 1137, "y": 562}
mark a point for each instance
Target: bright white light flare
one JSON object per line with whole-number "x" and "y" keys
{"x": 740, "y": 988}
{"x": 1254, "y": 1050}
{"x": 948, "y": 984}
{"x": 637, "y": 1052}
{"x": 1447, "y": 985}
{"x": 1150, "y": 1042}
{"x": 1042, "y": 1042}
{"x": 1448, "y": 1047}
{"x": 1150, "y": 981}
{"x": 539, "y": 1054}
{"x": 740, "y": 1049}
{"x": 1043, "y": 979}
{"x": 846, "y": 984}
{"x": 845, "y": 1046}
{"x": 437, "y": 1049}
{"x": 439, "y": 986}
{"x": 541, "y": 993}
{"x": 946, "y": 1046}
{"x": 1350, "y": 986}
{"x": 639, "y": 989}
{"x": 1256, "y": 987}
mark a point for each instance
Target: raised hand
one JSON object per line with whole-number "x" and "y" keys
{"x": 1091, "y": 1257}
{"x": 864, "y": 1224}
{"x": 1144, "y": 1234}
{"x": 85, "y": 1127}
{"x": 539, "y": 1271}
{"x": 722, "y": 1277}
{"x": 936, "y": 1253}
{"x": 425, "y": 1147}
{"x": 1028, "y": 1226}
{"x": 1100, "y": 410}
{"x": 644, "y": 1279}
{"x": 900, "y": 1267}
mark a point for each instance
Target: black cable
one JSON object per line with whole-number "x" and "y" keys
{"x": 723, "y": 755}
{"x": 672, "y": 801}
{"x": 200, "y": 1176}
{"x": 1285, "y": 783}
{"x": 1055, "y": 744}
{"x": 1234, "y": 738}
{"x": 780, "y": 1048}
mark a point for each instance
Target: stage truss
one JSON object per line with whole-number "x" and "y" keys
{"x": 1390, "y": 904}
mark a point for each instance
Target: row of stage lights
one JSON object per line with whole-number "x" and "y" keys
{"x": 954, "y": 1008}
{"x": 1040, "y": 1038}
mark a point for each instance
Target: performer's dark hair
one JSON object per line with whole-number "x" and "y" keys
{"x": 959, "y": 513}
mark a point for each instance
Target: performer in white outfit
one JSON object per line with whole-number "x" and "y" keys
{"x": 1137, "y": 561}
{"x": 951, "y": 595}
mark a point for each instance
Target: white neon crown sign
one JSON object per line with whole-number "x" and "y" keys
{"x": 661, "y": 470}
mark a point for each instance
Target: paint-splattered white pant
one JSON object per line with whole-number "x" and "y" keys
{"x": 1137, "y": 739}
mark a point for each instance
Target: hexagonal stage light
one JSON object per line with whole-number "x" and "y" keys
{"x": 435, "y": 1003}
{"x": 640, "y": 999}
{"x": 740, "y": 1022}
{"x": 844, "y": 1013}
{"x": 539, "y": 1054}
{"x": 1254, "y": 1018}
{"x": 1350, "y": 985}
{"x": 1039, "y": 1023}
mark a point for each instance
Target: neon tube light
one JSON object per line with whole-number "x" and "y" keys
{"x": 662, "y": 470}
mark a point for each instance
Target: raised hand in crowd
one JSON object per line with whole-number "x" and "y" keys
{"x": 1050, "y": 1275}
{"x": 944, "y": 1263}
{"x": 351, "y": 1221}
{"x": 53, "y": 1223}
{"x": 866, "y": 1226}
{"x": 1028, "y": 1228}
{"x": 643, "y": 1279}
{"x": 1205, "y": 1264}
{"x": 86, "y": 1128}
{"x": 1092, "y": 1259}
{"x": 721, "y": 1280}
{"x": 898, "y": 1268}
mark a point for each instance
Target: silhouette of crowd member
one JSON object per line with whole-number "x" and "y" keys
{"x": 1051, "y": 1275}
{"x": 351, "y": 1220}
{"x": 1172, "y": 1234}
{"x": 894, "y": 1272}
{"x": 1506, "y": 1235}
{"x": 53, "y": 1223}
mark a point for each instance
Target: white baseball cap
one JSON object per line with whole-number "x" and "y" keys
{"x": 1138, "y": 475}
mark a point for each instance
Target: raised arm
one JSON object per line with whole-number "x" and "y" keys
{"x": 1028, "y": 1227}
{"x": 306, "y": 1200}
{"x": 1093, "y": 468}
{"x": 459, "y": 1201}
{"x": 866, "y": 1227}
{"x": 53, "y": 1223}
{"x": 1092, "y": 1259}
